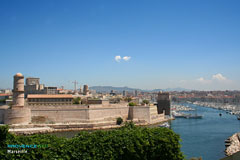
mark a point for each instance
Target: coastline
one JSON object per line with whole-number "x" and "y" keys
{"x": 232, "y": 144}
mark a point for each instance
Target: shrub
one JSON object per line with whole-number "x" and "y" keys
{"x": 76, "y": 100}
{"x": 119, "y": 121}
{"x": 128, "y": 142}
{"x": 145, "y": 102}
{"x": 132, "y": 104}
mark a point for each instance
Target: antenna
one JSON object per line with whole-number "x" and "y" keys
{"x": 75, "y": 86}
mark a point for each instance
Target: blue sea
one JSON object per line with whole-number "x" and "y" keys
{"x": 205, "y": 137}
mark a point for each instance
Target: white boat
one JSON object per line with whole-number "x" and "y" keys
{"x": 165, "y": 125}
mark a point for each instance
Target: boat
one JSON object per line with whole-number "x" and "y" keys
{"x": 165, "y": 125}
{"x": 194, "y": 116}
{"x": 179, "y": 115}
{"x": 238, "y": 117}
{"x": 220, "y": 114}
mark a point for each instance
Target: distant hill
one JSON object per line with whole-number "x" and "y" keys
{"x": 171, "y": 89}
{"x": 108, "y": 89}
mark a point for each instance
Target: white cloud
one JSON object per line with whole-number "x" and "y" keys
{"x": 118, "y": 58}
{"x": 126, "y": 58}
{"x": 219, "y": 77}
{"x": 215, "y": 78}
{"x": 202, "y": 80}
{"x": 214, "y": 82}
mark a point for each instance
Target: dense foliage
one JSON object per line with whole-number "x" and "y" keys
{"x": 132, "y": 104}
{"x": 77, "y": 100}
{"x": 3, "y": 100}
{"x": 145, "y": 101}
{"x": 128, "y": 142}
{"x": 119, "y": 121}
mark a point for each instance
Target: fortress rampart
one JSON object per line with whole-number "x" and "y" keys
{"x": 85, "y": 116}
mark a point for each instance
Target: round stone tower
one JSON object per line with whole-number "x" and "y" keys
{"x": 18, "y": 91}
{"x": 18, "y": 114}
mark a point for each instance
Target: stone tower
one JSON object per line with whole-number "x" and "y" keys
{"x": 18, "y": 91}
{"x": 17, "y": 113}
{"x": 85, "y": 90}
{"x": 163, "y": 103}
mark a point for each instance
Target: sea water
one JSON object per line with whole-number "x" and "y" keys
{"x": 205, "y": 137}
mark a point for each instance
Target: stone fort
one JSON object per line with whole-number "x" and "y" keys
{"x": 98, "y": 114}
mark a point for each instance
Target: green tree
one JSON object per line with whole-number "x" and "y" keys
{"x": 119, "y": 121}
{"x": 145, "y": 101}
{"x": 132, "y": 104}
{"x": 128, "y": 142}
{"x": 76, "y": 100}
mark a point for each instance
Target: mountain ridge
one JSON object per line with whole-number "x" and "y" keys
{"x": 121, "y": 89}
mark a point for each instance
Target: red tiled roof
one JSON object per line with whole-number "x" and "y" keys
{"x": 3, "y": 94}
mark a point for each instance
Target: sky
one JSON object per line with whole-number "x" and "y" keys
{"x": 146, "y": 44}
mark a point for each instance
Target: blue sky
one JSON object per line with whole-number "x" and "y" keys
{"x": 193, "y": 44}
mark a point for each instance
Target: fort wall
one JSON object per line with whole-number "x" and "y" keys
{"x": 78, "y": 113}
{"x": 17, "y": 116}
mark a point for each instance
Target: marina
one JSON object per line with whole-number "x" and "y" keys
{"x": 205, "y": 137}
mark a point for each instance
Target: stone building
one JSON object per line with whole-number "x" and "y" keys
{"x": 33, "y": 86}
{"x": 32, "y": 81}
{"x": 163, "y": 103}
{"x": 48, "y": 99}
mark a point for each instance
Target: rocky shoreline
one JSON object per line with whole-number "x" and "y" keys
{"x": 232, "y": 144}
